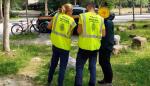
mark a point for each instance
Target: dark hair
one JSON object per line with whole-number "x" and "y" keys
{"x": 105, "y": 4}
{"x": 90, "y": 4}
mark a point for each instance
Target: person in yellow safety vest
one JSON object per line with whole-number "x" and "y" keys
{"x": 62, "y": 26}
{"x": 90, "y": 28}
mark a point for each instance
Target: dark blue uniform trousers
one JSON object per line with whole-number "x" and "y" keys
{"x": 82, "y": 57}
{"x": 104, "y": 61}
{"x": 63, "y": 55}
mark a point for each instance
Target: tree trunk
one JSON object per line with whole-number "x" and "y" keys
{"x": 75, "y": 2}
{"x": 119, "y": 7}
{"x": 46, "y": 7}
{"x": 6, "y": 46}
{"x": 133, "y": 10}
{"x": 141, "y": 7}
{"x": 1, "y": 12}
{"x": 27, "y": 13}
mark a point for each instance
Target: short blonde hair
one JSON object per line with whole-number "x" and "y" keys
{"x": 66, "y": 8}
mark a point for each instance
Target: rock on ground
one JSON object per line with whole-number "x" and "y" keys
{"x": 122, "y": 29}
{"x": 117, "y": 39}
{"x": 118, "y": 48}
{"x": 138, "y": 42}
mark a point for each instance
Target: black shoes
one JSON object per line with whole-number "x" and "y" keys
{"x": 103, "y": 83}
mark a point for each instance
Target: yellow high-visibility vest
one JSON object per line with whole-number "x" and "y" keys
{"x": 62, "y": 27}
{"x": 92, "y": 25}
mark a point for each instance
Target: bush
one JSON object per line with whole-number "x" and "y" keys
{"x": 14, "y": 14}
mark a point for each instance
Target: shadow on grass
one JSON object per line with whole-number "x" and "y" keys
{"x": 136, "y": 74}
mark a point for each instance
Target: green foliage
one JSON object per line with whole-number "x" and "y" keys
{"x": 27, "y": 36}
{"x": 19, "y": 57}
{"x": 111, "y": 4}
{"x": 14, "y": 14}
{"x": 8, "y": 67}
{"x": 16, "y": 4}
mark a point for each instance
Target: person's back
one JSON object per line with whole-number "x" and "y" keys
{"x": 90, "y": 28}
{"x": 91, "y": 31}
{"x": 108, "y": 40}
{"x": 105, "y": 52}
{"x": 62, "y": 26}
{"x": 61, "y": 31}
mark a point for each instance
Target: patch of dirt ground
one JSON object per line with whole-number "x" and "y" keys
{"x": 16, "y": 80}
{"x": 25, "y": 75}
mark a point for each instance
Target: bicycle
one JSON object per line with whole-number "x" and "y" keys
{"x": 20, "y": 28}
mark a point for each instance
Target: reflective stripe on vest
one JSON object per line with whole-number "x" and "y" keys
{"x": 60, "y": 34}
{"x": 84, "y": 29}
{"x": 57, "y": 33}
{"x": 55, "y": 21}
{"x": 71, "y": 28}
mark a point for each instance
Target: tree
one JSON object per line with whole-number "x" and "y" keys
{"x": 6, "y": 46}
{"x": 46, "y": 7}
{"x": 133, "y": 7}
{"x": 27, "y": 12}
{"x": 1, "y": 12}
{"x": 119, "y": 7}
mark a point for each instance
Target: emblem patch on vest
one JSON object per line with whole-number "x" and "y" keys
{"x": 93, "y": 26}
{"x": 62, "y": 27}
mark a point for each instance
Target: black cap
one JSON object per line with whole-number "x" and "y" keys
{"x": 111, "y": 16}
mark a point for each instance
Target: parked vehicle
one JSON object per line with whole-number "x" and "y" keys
{"x": 41, "y": 22}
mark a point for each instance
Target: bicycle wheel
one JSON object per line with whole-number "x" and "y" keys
{"x": 34, "y": 29}
{"x": 43, "y": 27}
{"x": 16, "y": 29}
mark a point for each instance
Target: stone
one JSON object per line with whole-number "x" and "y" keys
{"x": 146, "y": 26}
{"x": 132, "y": 26}
{"x": 71, "y": 62}
{"x": 117, "y": 39}
{"x": 118, "y": 48}
{"x": 122, "y": 29}
{"x": 138, "y": 42}
{"x": 36, "y": 59}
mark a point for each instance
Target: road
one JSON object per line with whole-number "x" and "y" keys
{"x": 126, "y": 18}
{"x": 118, "y": 19}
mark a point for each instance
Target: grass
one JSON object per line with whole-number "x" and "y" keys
{"x": 130, "y": 68}
{"x": 19, "y": 57}
{"x": 27, "y": 36}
